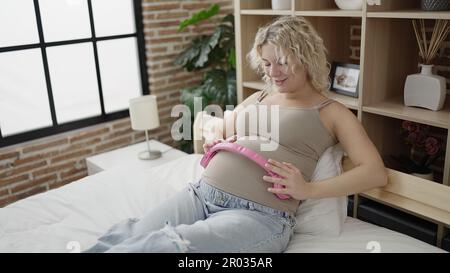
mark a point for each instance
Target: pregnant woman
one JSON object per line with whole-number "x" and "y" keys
{"x": 235, "y": 206}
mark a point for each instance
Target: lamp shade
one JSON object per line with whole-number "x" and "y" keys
{"x": 144, "y": 113}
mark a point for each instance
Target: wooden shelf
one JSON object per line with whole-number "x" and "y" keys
{"x": 409, "y": 193}
{"x": 329, "y": 13}
{"x": 396, "y": 109}
{"x": 265, "y": 12}
{"x": 409, "y": 205}
{"x": 308, "y": 13}
{"x": 411, "y": 14}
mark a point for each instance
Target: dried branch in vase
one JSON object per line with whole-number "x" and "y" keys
{"x": 427, "y": 51}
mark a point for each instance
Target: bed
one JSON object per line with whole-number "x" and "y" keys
{"x": 71, "y": 218}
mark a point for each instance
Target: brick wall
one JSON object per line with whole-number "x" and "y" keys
{"x": 355, "y": 40}
{"x": 40, "y": 165}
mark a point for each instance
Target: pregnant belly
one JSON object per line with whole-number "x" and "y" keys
{"x": 242, "y": 177}
{"x": 227, "y": 168}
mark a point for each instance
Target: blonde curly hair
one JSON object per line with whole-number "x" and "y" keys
{"x": 297, "y": 40}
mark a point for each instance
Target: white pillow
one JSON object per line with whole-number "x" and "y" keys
{"x": 324, "y": 216}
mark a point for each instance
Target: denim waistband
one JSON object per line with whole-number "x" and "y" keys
{"x": 229, "y": 200}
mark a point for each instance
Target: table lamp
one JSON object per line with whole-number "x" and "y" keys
{"x": 144, "y": 116}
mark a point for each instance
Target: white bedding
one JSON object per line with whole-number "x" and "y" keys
{"x": 71, "y": 218}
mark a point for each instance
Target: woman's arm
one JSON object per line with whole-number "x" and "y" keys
{"x": 369, "y": 171}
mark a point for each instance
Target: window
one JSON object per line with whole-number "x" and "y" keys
{"x": 67, "y": 64}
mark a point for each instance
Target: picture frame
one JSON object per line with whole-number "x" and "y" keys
{"x": 345, "y": 78}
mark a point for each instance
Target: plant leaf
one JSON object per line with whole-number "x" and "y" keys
{"x": 220, "y": 87}
{"x": 188, "y": 95}
{"x": 214, "y": 40}
{"x": 215, "y": 85}
{"x": 232, "y": 58}
{"x": 190, "y": 56}
{"x": 203, "y": 55}
{"x": 199, "y": 16}
{"x": 231, "y": 87}
{"x": 229, "y": 19}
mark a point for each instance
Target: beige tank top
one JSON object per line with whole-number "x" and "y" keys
{"x": 301, "y": 140}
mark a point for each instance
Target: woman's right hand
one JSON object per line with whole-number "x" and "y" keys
{"x": 207, "y": 146}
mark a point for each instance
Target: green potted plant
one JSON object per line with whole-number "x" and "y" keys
{"x": 216, "y": 55}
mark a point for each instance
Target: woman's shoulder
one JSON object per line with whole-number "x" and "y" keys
{"x": 336, "y": 114}
{"x": 332, "y": 105}
{"x": 334, "y": 111}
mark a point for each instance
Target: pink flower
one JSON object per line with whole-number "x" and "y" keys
{"x": 425, "y": 149}
{"x": 405, "y": 124}
{"x": 431, "y": 145}
{"x": 410, "y": 126}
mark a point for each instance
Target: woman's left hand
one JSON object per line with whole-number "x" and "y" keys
{"x": 291, "y": 178}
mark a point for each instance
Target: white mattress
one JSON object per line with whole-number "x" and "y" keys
{"x": 360, "y": 237}
{"x": 71, "y": 218}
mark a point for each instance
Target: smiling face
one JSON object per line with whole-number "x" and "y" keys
{"x": 277, "y": 67}
{"x": 307, "y": 54}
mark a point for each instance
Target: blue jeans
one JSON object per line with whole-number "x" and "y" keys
{"x": 202, "y": 218}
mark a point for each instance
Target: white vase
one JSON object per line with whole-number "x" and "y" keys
{"x": 281, "y": 4}
{"x": 425, "y": 89}
{"x": 349, "y": 4}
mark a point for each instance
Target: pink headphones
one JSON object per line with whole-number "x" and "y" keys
{"x": 250, "y": 154}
